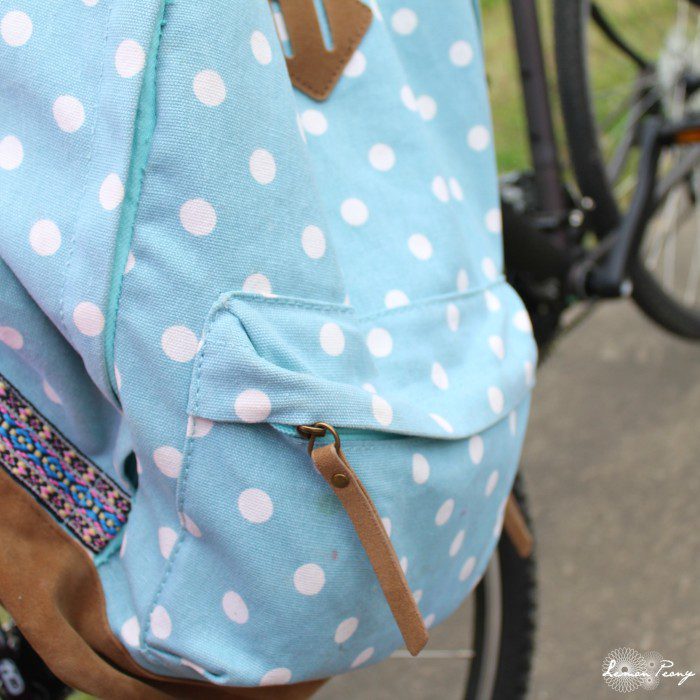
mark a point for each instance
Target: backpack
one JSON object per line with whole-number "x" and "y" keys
{"x": 263, "y": 385}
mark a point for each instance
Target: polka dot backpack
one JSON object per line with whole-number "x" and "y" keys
{"x": 263, "y": 385}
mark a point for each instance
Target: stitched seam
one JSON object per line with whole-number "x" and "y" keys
{"x": 83, "y": 194}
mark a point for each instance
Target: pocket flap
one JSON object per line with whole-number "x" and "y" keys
{"x": 446, "y": 367}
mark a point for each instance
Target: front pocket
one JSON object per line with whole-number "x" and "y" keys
{"x": 444, "y": 368}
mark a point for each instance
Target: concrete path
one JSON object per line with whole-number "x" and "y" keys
{"x": 612, "y": 463}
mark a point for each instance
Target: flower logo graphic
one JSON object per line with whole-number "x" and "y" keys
{"x": 624, "y": 669}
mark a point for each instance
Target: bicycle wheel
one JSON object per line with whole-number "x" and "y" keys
{"x": 618, "y": 61}
{"x": 504, "y": 623}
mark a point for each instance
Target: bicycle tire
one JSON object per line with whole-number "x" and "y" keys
{"x": 570, "y": 27}
{"x": 518, "y": 599}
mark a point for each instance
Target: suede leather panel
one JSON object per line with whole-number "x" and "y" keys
{"x": 50, "y": 586}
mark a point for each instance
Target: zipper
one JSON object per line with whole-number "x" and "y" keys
{"x": 334, "y": 467}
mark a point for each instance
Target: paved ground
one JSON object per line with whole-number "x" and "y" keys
{"x": 612, "y": 462}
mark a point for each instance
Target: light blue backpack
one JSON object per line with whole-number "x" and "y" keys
{"x": 199, "y": 263}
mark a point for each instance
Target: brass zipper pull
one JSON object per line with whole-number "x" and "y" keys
{"x": 333, "y": 466}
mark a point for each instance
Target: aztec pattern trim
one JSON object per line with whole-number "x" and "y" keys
{"x": 65, "y": 482}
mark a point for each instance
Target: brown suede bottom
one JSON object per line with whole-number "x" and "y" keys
{"x": 51, "y": 588}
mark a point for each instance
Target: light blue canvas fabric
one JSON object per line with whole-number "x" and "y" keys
{"x": 195, "y": 258}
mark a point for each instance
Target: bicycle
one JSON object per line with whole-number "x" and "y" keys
{"x": 636, "y": 165}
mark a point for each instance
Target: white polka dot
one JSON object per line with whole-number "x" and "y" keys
{"x": 466, "y": 570}
{"x": 260, "y": 47}
{"x": 129, "y": 58}
{"x": 313, "y": 242}
{"x": 209, "y": 88}
{"x": 50, "y": 392}
{"x": 363, "y": 657}
{"x": 257, "y": 283}
{"x": 262, "y": 166}
{"x": 420, "y": 246}
{"x": 131, "y": 632}
{"x": 235, "y": 608}
{"x": 90, "y": 3}
{"x": 420, "y": 468}
{"x": 161, "y": 626}
{"x": 370, "y": 388}
{"x": 117, "y": 378}
{"x": 496, "y": 399}
{"x": 379, "y": 342}
{"x": 168, "y": 460}
{"x": 69, "y": 113}
{"x": 462, "y": 281}
{"x": 403, "y": 563}
{"x": 382, "y": 157}
{"x": 346, "y": 629}
{"x": 130, "y": 262}
{"x": 255, "y": 506}
{"x": 395, "y": 298}
{"x": 309, "y": 579}
{"x": 444, "y": 424}
{"x": 179, "y": 343}
{"x": 11, "y": 153}
{"x": 332, "y": 339}
{"x": 521, "y": 320}
{"x": 488, "y": 267}
{"x": 427, "y": 107}
{"x": 404, "y": 21}
{"x": 166, "y": 540}
{"x": 476, "y": 449}
{"x": 16, "y": 28}
{"x": 453, "y": 317}
{"x": 456, "y": 189}
{"x": 354, "y": 212}
{"x": 439, "y": 376}
{"x": 122, "y": 547}
{"x": 314, "y": 122}
{"x": 491, "y": 483}
{"x": 277, "y": 676}
{"x": 198, "y": 427}
{"x": 111, "y": 192}
{"x": 382, "y": 410}
{"x": 11, "y": 337}
{"x": 198, "y": 217}
{"x": 190, "y": 525}
{"x": 478, "y": 138}
{"x": 386, "y": 522}
{"x": 498, "y": 526}
{"x": 457, "y": 543}
{"x": 461, "y": 53}
{"x": 356, "y": 66}
{"x": 513, "y": 422}
{"x": 45, "y": 237}
{"x": 88, "y": 318}
{"x": 529, "y": 370}
{"x": 429, "y": 620}
{"x": 497, "y": 346}
{"x": 408, "y": 98}
{"x": 281, "y": 26}
{"x": 493, "y": 220}
{"x": 440, "y": 189}
{"x": 418, "y": 596}
{"x": 444, "y": 512}
{"x": 493, "y": 303}
{"x": 253, "y": 406}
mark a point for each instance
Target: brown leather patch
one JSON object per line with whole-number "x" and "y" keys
{"x": 51, "y": 588}
{"x": 517, "y": 530}
{"x": 313, "y": 68}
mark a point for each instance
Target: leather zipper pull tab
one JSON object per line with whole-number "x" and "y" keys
{"x": 333, "y": 466}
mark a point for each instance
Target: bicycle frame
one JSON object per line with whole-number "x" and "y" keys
{"x": 547, "y": 248}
